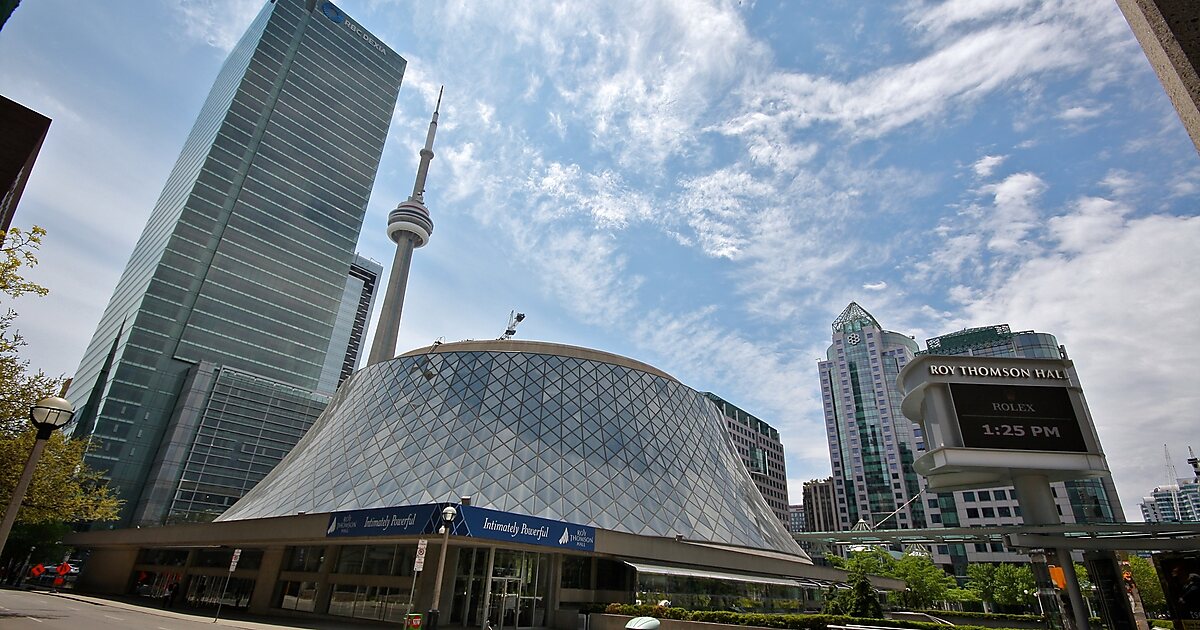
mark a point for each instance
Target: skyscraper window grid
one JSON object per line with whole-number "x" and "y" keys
{"x": 244, "y": 260}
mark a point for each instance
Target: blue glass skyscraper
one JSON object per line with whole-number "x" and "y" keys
{"x": 244, "y": 261}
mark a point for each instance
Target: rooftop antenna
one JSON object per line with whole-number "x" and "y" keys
{"x": 514, "y": 318}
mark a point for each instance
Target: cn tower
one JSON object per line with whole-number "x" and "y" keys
{"x": 409, "y": 226}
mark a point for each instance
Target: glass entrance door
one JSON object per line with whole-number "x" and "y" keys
{"x": 517, "y": 590}
{"x": 503, "y": 604}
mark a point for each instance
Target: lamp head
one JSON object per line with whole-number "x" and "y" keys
{"x": 448, "y": 513}
{"x": 51, "y": 413}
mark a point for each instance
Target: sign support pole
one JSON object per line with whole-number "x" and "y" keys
{"x": 418, "y": 566}
{"x": 1038, "y": 507}
{"x": 221, "y": 599}
{"x": 237, "y": 554}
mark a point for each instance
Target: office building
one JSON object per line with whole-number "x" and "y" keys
{"x": 820, "y": 513}
{"x": 871, "y": 444}
{"x": 1178, "y": 502}
{"x": 760, "y": 449}
{"x": 593, "y": 478}
{"x": 244, "y": 262}
{"x": 350, "y": 327}
{"x": 22, "y": 131}
{"x": 1173, "y": 503}
{"x": 795, "y": 518}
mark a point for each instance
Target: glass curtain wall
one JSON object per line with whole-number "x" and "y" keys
{"x": 357, "y": 590}
{"x": 702, "y": 593}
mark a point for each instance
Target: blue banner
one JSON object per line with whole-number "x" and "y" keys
{"x": 393, "y": 521}
{"x": 474, "y": 522}
{"x": 530, "y": 530}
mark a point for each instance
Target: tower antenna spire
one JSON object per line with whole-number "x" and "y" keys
{"x": 409, "y": 227}
{"x": 418, "y": 193}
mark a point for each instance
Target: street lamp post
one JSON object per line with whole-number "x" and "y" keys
{"x": 47, "y": 415}
{"x": 448, "y": 514}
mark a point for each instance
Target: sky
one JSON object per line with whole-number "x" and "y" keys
{"x": 702, "y": 185}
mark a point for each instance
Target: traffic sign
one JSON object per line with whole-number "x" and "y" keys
{"x": 237, "y": 553}
{"x": 63, "y": 569}
{"x": 419, "y": 563}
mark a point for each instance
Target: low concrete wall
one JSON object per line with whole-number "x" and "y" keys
{"x": 965, "y": 620}
{"x": 601, "y": 621}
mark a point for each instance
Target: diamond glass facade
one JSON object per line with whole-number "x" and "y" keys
{"x": 244, "y": 259}
{"x": 541, "y": 429}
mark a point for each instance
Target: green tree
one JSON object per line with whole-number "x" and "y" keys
{"x": 925, "y": 583}
{"x": 1014, "y": 585}
{"x": 981, "y": 579}
{"x": 860, "y": 600}
{"x": 1145, "y": 576}
{"x": 17, "y": 385}
{"x": 18, "y": 251}
{"x": 63, "y": 488}
{"x": 871, "y": 561}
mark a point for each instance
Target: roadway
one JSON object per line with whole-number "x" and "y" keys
{"x": 43, "y": 610}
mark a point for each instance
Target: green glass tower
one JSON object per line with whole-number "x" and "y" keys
{"x": 871, "y": 444}
{"x": 244, "y": 261}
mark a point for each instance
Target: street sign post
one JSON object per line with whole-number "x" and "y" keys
{"x": 419, "y": 563}
{"x": 237, "y": 554}
{"x": 418, "y": 566}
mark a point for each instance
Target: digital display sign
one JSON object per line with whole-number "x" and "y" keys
{"x": 1027, "y": 418}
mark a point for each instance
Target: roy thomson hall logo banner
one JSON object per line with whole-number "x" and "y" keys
{"x": 471, "y": 521}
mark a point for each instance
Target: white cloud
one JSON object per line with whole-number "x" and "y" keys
{"x": 218, "y": 23}
{"x": 979, "y": 47}
{"x": 986, "y": 165}
{"x": 721, "y": 207}
{"x": 875, "y": 286}
{"x": 1013, "y": 213}
{"x": 936, "y": 19}
{"x": 951, "y": 258}
{"x": 1079, "y": 113}
{"x": 1122, "y": 183}
{"x": 585, "y": 274}
{"x": 1186, "y": 184}
{"x": 1094, "y": 222}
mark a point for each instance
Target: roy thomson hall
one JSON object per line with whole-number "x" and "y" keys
{"x": 592, "y": 478}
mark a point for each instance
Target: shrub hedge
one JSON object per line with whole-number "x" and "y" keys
{"x": 787, "y": 622}
{"x": 980, "y": 615}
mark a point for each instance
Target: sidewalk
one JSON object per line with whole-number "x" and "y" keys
{"x": 229, "y": 617}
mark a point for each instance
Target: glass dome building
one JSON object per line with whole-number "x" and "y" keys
{"x": 547, "y": 430}
{"x": 577, "y": 478}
